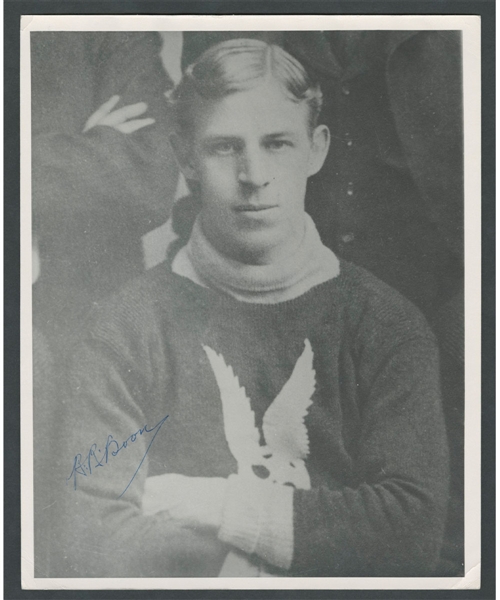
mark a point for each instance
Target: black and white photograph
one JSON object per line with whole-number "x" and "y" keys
{"x": 245, "y": 336}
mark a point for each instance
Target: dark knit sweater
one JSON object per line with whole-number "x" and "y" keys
{"x": 378, "y": 450}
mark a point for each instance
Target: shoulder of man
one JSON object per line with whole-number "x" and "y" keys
{"x": 135, "y": 309}
{"x": 378, "y": 310}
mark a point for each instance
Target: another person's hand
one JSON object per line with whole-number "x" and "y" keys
{"x": 119, "y": 119}
{"x": 192, "y": 501}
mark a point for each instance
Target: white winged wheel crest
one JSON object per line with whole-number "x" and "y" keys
{"x": 285, "y": 433}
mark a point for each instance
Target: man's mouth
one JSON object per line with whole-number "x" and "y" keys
{"x": 253, "y": 207}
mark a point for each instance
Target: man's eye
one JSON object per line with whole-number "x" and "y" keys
{"x": 223, "y": 148}
{"x": 277, "y": 144}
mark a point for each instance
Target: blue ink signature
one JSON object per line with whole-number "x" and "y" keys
{"x": 85, "y": 466}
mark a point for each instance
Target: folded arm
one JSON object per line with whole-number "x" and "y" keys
{"x": 391, "y": 523}
{"x": 105, "y": 440}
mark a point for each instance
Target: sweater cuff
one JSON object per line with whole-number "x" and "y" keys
{"x": 258, "y": 519}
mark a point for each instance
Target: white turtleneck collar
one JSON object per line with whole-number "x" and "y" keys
{"x": 311, "y": 264}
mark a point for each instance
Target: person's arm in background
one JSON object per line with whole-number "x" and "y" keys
{"x": 424, "y": 76}
{"x": 102, "y": 171}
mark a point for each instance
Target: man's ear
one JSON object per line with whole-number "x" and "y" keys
{"x": 320, "y": 144}
{"x": 184, "y": 154}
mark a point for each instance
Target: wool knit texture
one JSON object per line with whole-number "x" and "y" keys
{"x": 377, "y": 453}
{"x": 258, "y": 520}
{"x": 312, "y": 263}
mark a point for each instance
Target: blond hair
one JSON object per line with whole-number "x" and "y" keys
{"x": 238, "y": 65}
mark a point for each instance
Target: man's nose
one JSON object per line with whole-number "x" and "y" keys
{"x": 254, "y": 169}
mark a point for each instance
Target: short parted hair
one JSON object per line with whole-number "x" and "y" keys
{"x": 238, "y": 65}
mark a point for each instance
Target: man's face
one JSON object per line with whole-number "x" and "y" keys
{"x": 252, "y": 153}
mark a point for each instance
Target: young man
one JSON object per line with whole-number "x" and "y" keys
{"x": 256, "y": 406}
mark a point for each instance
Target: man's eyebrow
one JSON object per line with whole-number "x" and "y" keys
{"x": 218, "y": 138}
{"x": 280, "y": 134}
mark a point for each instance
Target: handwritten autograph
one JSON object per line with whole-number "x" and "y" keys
{"x": 96, "y": 457}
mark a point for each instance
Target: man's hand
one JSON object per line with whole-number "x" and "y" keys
{"x": 192, "y": 501}
{"x": 119, "y": 119}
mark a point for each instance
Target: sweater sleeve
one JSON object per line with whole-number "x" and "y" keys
{"x": 258, "y": 518}
{"x": 106, "y": 437}
{"x": 391, "y": 522}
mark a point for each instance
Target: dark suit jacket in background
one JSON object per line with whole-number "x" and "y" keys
{"x": 96, "y": 193}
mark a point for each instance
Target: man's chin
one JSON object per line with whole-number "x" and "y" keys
{"x": 259, "y": 247}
